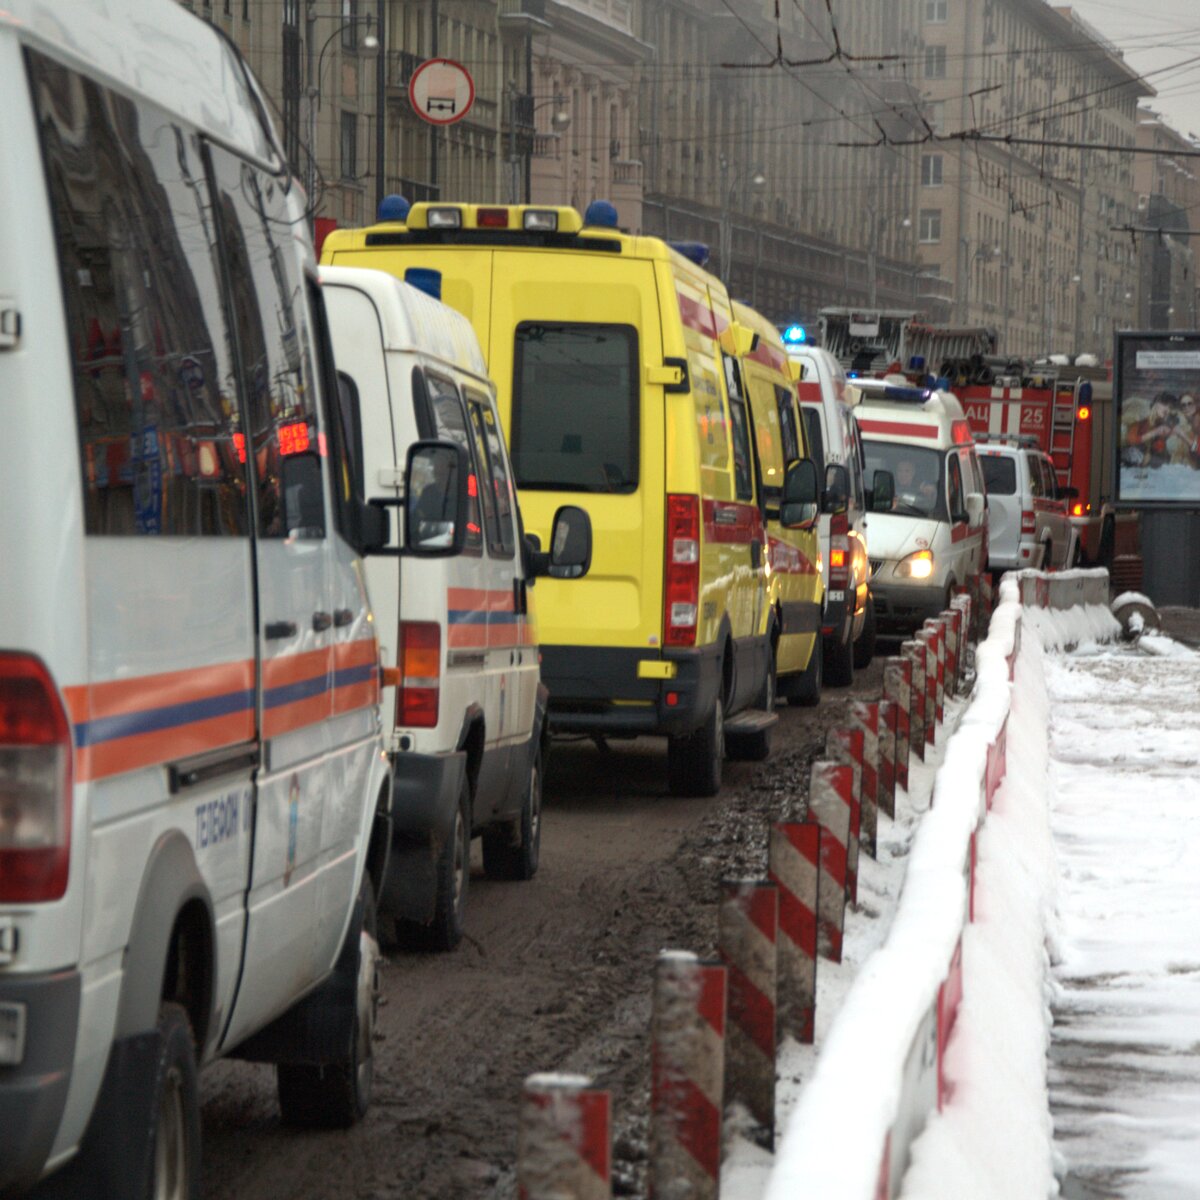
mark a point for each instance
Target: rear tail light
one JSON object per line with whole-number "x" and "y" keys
{"x": 839, "y": 550}
{"x": 35, "y": 783}
{"x": 681, "y": 583}
{"x": 1027, "y": 522}
{"x": 420, "y": 674}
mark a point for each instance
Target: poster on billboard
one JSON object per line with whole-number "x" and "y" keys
{"x": 1157, "y": 394}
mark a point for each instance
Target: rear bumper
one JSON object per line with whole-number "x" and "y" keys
{"x": 33, "y": 1092}
{"x": 597, "y": 689}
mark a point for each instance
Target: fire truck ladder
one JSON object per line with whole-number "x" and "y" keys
{"x": 1062, "y": 433}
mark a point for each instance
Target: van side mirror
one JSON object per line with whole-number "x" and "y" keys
{"x": 570, "y": 553}
{"x": 436, "y": 499}
{"x": 798, "y": 509}
{"x": 374, "y": 528}
{"x": 1068, "y": 493}
{"x": 883, "y": 491}
{"x": 836, "y": 496}
{"x": 975, "y": 507}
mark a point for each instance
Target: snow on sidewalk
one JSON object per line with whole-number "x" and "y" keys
{"x": 1125, "y": 816}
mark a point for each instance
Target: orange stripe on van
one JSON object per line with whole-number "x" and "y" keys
{"x": 151, "y": 749}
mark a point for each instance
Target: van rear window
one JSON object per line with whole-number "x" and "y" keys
{"x": 575, "y": 407}
{"x": 1000, "y": 474}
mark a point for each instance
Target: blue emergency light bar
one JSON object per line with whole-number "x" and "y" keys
{"x": 795, "y": 335}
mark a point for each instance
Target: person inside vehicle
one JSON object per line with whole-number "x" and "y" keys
{"x": 911, "y": 488}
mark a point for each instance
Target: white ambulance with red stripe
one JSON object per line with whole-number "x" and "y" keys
{"x": 927, "y": 498}
{"x": 464, "y": 709}
{"x": 194, "y": 800}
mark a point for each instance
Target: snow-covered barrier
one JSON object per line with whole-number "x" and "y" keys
{"x": 882, "y": 1070}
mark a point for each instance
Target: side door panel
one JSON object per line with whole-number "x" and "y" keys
{"x": 283, "y": 445}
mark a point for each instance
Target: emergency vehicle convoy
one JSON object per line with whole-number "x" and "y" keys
{"x": 618, "y": 363}
{"x": 194, "y": 798}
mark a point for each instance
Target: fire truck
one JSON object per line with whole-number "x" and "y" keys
{"x": 1066, "y": 406}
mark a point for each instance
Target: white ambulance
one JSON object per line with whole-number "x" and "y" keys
{"x": 194, "y": 798}
{"x": 465, "y": 717}
{"x": 927, "y": 498}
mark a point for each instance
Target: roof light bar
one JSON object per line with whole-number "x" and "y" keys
{"x": 444, "y": 218}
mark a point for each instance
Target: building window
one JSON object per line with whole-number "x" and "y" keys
{"x": 935, "y": 11}
{"x": 929, "y": 225}
{"x": 349, "y": 145}
{"x": 935, "y": 62}
{"x": 349, "y": 24}
{"x": 246, "y": 10}
{"x": 931, "y": 170}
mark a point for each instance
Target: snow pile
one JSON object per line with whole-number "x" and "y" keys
{"x": 858, "y": 1094}
{"x": 1083, "y": 628}
{"x": 994, "y": 1140}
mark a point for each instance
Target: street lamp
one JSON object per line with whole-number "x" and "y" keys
{"x": 559, "y": 121}
{"x": 369, "y": 43}
{"x": 757, "y": 180}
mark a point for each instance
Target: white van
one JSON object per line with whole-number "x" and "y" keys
{"x": 193, "y": 794}
{"x": 928, "y": 502}
{"x": 848, "y": 624}
{"x": 466, "y": 717}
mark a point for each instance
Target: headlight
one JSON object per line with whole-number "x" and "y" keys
{"x": 918, "y": 565}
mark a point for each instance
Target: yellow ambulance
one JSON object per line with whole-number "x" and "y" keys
{"x": 794, "y": 589}
{"x": 606, "y": 352}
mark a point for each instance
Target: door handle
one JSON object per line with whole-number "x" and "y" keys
{"x": 279, "y": 629}
{"x": 342, "y": 616}
{"x": 321, "y": 621}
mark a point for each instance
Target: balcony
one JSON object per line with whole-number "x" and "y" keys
{"x": 400, "y": 67}
{"x": 413, "y": 190}
{"x": 627, "y": 172}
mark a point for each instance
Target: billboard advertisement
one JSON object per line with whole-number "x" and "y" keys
{"x": 1156, "y": 390}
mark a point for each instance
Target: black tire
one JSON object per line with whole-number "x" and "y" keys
{"x": 175, "y": 1134}
{"x": 445, "y": 931}
{"x": 1077, "y": 554}
{"x": 512, "y": 851}
{"x": 695, "y": 761}
{"x": 767, "y": 694}
{"x": 805, "y": 689}
{"x": 335, "y": 1095}
{"x": 864, "y": 648}
{"x": 839, "y": 663}
{"x": 1048, "y": 556}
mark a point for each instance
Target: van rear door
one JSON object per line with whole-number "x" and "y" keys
{"x": 572, "y": 336}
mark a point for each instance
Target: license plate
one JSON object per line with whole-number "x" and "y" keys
{"x": 12, "y": 1034}
{"x": 836, "y": 595}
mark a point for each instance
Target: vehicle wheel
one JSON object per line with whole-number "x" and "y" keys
{"x": 1076, "y": 555}
{"x": 694, "y": 761}
{"x": 511, "y": 852}
{"x": 335, "y": 1095}
{"x": 453, "y": 878}
{"x": 765, "y": 699}
{"x": 864, "y": 648}
{"x": 839, "y": 664}
{"x": 805, "y": 689}
{"x": 1048, "y": 556}
{"x": 175, "y": 1159}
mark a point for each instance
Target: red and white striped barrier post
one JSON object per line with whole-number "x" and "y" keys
{"x": 865, "y": 717}
{"x": 846, "y": 746}
{"x": 886, "y": 794}
{"x": 973, "y": 594}
{"x": 564, "y": 1142}
{"x": 950, "y": 620}
{"x": 986, "y": 604}
{"x": 962, "y": 604}
{"x": 793, "y": 858}
{"x": 830, "y": 797}
{"x": 687, "y": 1052}
{"x": 915, "y": 653}
{"x": 897, "y": 687}
{"x": 747, "y": 932}
{"x": 936, "y": 641}
{"x": 928, "y": 639}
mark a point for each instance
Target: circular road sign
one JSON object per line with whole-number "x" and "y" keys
{"x": 441, "y": 91}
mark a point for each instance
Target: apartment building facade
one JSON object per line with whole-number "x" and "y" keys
{"x": 1024, "y": 230}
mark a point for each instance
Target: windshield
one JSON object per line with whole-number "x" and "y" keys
{"x": 919, "y": 475}
{"x": 575, "y": 407}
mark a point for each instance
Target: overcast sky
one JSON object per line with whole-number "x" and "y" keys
{"x": 1156, "y": 36}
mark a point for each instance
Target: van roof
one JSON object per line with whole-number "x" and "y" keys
{"x": 158, "y": 51}
{"x": 519, "y": 226}
{"x": 413, "y": 321}
{"x": 917, "y": 416}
